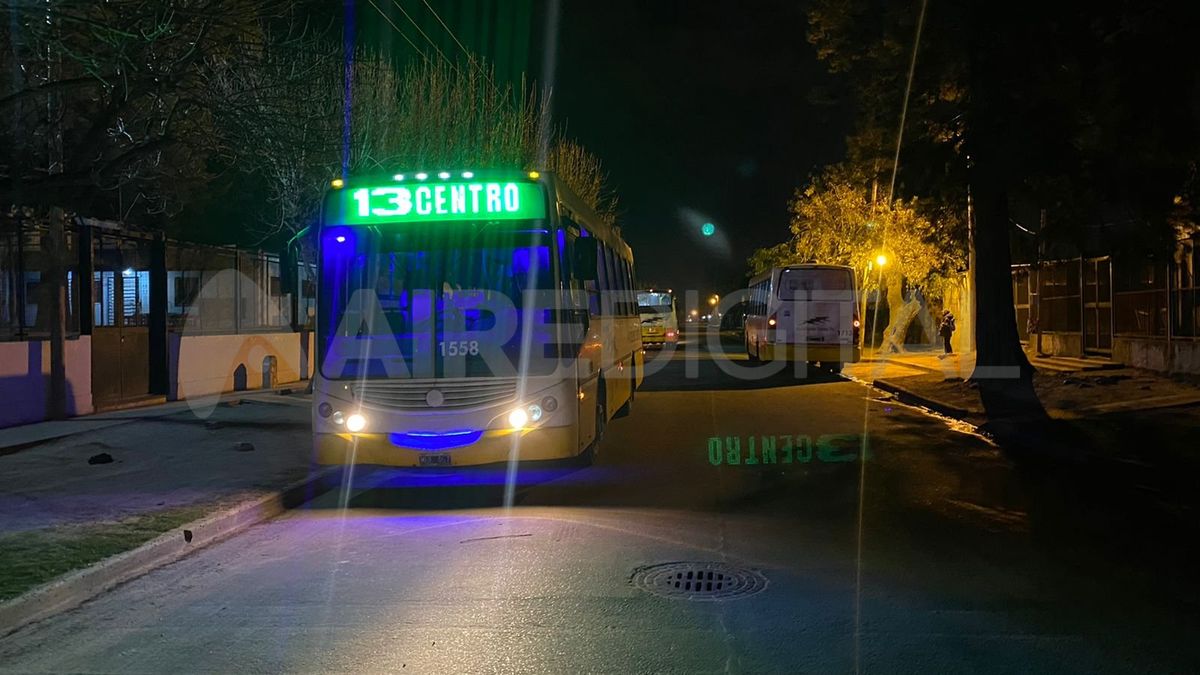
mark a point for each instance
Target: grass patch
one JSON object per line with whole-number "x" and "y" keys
{"x": 29, "y": 559}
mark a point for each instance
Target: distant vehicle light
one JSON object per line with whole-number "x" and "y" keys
{"x": 518, "y": 418}
{"x": 444, "y": 175}
{"x": 325, "y": 410}
{"x": 356, "y": 422}
{"x": 535, "y": 175}
{"x": 337, "y": 183}
{"x": 468, "y": 174}
{"x": 398, "y": 176}
{"x": 422, "y": 176}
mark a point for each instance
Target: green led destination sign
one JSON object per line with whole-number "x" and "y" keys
{"x": 436, "y": 201}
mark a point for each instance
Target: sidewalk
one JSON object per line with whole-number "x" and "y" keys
{"x": 1069, "y": 388}
{"x": 1118, "y": 431}
{"x": 78, "y": 491}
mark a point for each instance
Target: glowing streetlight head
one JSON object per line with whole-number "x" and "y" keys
{"x": 708, "y": 229}
{"x": 881, "y": 260}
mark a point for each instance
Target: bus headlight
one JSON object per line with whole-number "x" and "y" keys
{"x": 535, "y": 412}
{"x": 550, "y": 404}
{"x": 337, "y": 417}
{"x": 518, "y": 418}
{"x": 356, "y": 422}
{"x": 325, "y": 410}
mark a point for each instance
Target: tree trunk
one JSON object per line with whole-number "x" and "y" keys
{"x": 1002, "y": 371}
{"x": 901, "y": 312}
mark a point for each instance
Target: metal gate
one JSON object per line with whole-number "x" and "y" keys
{"x": 120, "y": 315}
{"x": 1022, "y": 299}
{"x": 1097, "y": 305}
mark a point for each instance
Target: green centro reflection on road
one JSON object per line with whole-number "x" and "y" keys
{"x": 753, "y": 450}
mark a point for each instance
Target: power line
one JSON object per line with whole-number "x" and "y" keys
{"x": 427, "y": 39}
{"x": 448, "y": 31}
{"x": 398, "y": 31}
{"x": 467, "y": 52}
{"x": 912, "y": 66}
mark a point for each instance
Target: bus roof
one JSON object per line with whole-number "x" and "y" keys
{"x": 770, "y": 273}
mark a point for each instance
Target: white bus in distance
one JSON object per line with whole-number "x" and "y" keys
{"x": 804, "y": 313}
{"x": 660, "y": 325}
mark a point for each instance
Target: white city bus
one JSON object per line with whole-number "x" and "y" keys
{"x": 804, "y": 313}
{"x": 660, "y": 325}
{"x": 469, "y": 318}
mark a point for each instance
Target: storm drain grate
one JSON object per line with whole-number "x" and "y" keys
{"x": 699, "y": 580}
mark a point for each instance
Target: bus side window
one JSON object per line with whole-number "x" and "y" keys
{"x": 566, "y": 257}
{"x": 630, "y": 296}
{"x": 612, "y": 287}
{"x": 623, "y": 284}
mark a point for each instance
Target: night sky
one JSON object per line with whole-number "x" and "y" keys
{"x": 700, "y": 111}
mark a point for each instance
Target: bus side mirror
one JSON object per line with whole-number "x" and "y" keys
{"x": 586, "y": 254}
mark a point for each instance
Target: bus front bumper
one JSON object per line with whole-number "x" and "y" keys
{"x": 542, "y": 443}
{"x": 810, "y": 353}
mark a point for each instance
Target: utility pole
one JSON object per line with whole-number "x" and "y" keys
{"x": 972, "y": 305}
{"x": 55, "y": 244}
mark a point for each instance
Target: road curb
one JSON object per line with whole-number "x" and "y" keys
{"x": 77, "y": 587}
{"x": 913, "y": 398}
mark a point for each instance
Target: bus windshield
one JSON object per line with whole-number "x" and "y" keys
{"x": 647, "y": 300}
{"x": 418, "y": 303}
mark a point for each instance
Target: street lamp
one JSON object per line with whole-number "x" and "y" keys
{"x": 714, "y": 300}
{"x": 881, "y": 260}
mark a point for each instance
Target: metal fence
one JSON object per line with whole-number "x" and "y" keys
{"x": 26, "y": 286}
{"x": 1103, "y": 298}
{"x": 209, "y": 289}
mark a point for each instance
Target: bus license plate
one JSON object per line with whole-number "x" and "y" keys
{"x": 431, "y": 459}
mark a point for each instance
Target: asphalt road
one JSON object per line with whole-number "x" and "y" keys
{"x": 934, "y": 553}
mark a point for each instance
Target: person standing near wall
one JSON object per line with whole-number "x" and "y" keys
{"x": 946, "y": 329}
